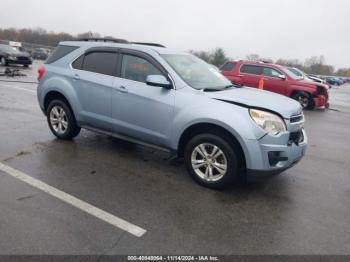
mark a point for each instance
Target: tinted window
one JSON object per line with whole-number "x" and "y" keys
{"x": 59, "y": 52}
{"x": 251, "y": 69}
{"x": 137, "y": 69}
{"x": 101, "y": 62}
{"x": 271, "y": 72}
{"x": 78, "y": 63}
{"x": 228, "y": 66}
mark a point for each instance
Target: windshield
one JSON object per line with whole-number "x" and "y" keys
{"x": 9, "y": 49}
{"x": 197, "y": 73}
{"x": 293, "y": 74}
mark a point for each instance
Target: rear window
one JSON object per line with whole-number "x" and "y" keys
{"x": 228, "y": 66}
{"x": 59, "y": 52}
{"x": 100, "y": 62}
{"x": 251, "y": 69}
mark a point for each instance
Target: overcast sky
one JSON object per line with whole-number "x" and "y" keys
{"x": 272, "y": 28}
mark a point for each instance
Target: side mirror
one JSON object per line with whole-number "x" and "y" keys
{"x": 158, "y": 80}
{"x": 282, "y": 77}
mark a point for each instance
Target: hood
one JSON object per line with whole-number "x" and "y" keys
{"x": 252, "y": 97}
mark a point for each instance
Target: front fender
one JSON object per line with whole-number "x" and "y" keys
{"x": 235, "y": 119}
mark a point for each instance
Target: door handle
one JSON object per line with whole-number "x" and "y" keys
{"x": 122, "y": 89}
{"x": 76, "y": 77}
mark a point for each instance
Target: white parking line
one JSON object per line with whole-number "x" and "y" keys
{"x": 86, "y": 207}
{"x": 19, "y": 88}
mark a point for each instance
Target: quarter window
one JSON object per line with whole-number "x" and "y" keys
{"x": 251, "y": 69}
{"x": 78, "y": 63}
{"x": 100, "y": 62}
{"x": 137, "y": 69}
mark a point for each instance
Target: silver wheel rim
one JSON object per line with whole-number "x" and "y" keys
{"x": 58, "y": 120}
{"x": 303, "y": 100}
{"x": 209, "y": 162}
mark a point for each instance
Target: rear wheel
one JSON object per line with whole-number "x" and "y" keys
{"x": 304, "y": 99}
{"x": 211, "y": 161}
{"x": 61, "y": 120}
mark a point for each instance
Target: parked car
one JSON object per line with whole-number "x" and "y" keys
{"x": 39, "y": 54}
{"x": 333, "y": 81}
{"x": 10, "y": 55}
{"x": 308, "y": 77}
{"x": 172, "y": 101}
{"x": 277, "y": 79}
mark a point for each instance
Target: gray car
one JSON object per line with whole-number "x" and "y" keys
{"x": 172, "y": 101}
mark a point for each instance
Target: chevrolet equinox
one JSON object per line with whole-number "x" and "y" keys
{"x": 171, "y": 100}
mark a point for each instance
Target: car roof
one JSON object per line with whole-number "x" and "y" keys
{"x": 134, "y": 46}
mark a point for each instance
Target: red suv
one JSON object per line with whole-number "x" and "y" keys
{"x": 278, "y": 79}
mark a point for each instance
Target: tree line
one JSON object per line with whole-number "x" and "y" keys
{"x": 40, "y": 36}
{"x": 217, "y": 57}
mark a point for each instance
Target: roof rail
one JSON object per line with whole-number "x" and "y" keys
{"x": 100, "y": 39}
{"x": 150, "y": 44}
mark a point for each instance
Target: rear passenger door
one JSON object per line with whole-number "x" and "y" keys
{"x": 139, "y": 110}
{"x": 93, "y": 79}
{"x": 250, "y": 75}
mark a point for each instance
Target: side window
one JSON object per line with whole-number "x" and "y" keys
{"x": 100, "y": 62}
{"x": 78, "y": 63}
{"x": 228, "y": 66}
{"x": 271, "y": 72}
{"x": 251, "y": 69}
{"x": 137, "y": 69}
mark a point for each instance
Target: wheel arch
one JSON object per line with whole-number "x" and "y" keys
{"x": 201, "y": 128}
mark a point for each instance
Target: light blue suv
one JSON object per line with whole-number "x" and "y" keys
{"x": 151, "y": 95}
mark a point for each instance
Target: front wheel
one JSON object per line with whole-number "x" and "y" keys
{"x": 61, "y": 120}
{"x": 304, "y": 99}
{"x": 211, "y": 161}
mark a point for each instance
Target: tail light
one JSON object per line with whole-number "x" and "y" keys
{"x": 41, "y": 72}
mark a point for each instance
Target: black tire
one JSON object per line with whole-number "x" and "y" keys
{"x": 72, "y": 130}
{"x": 305, "y": 99}
{"x": 230, "y": 176}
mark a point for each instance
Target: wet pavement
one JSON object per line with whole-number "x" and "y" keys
{"x": 305, "y": 210}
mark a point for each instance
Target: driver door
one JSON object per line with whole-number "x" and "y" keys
{"x": 273, "y": 82}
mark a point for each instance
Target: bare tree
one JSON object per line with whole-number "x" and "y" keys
{"x": 253, "y": 57}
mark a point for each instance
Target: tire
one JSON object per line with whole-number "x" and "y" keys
{"x": 220, "y": 176}
{"x": 61, "y": 120}
{"x": 304, "y": 99}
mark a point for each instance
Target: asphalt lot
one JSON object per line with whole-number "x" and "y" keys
{"x": 305, "y": 210}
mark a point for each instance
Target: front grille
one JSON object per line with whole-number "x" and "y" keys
{"x": 296, "y": 138}
{"x": 295, "y": 119}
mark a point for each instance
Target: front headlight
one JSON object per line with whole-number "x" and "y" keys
{"x": 271, "y": 123}
{"x": 12, "y": 58}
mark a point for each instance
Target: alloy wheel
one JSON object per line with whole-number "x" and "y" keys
{"x": 58, "y": 119}
{"x": 209, "y": 162}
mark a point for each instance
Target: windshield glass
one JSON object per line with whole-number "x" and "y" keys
{"x": 292, "y": 74}
{"x": 197, "y": 73}
{"x": 9, "y": 49}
